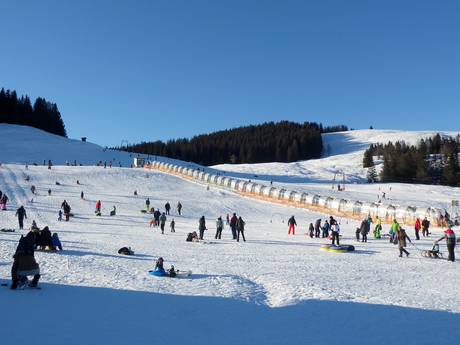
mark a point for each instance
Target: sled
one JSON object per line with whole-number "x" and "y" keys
{"x": 432, "y": 254}
{"x": 163, "y": 273}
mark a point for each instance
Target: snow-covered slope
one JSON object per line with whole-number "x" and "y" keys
{"x": 272, "y": 289}
{"x": 23, "y": 144}
{"x": 346, "y": 150}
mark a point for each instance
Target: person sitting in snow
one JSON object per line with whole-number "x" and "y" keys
{"x": 159, "y": 265}
{"x": 114, "y": 211}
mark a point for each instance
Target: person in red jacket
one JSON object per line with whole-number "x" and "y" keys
{"x": 418, "y": 226}
{"x": 449, "y": 236}
{"x": 98, "y": 208}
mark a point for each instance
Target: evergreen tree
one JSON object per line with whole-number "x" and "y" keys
{"x": 371, "y": 174}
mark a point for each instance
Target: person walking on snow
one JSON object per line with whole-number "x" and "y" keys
{"x": 417, "y": 228}
{"x": 179, "y": 208}
{"x": 21, "y": 214}
{"x": 311, "y": 230}
{"x": 292, "y": 224}
{"x": 335, "y": 229}
{"x": 394, "y": 231}
{"x": 378, "y": 228}
{"x": 326, "y": 228}
{"x": 240, "y": 228}
{"x": 147, "y": 204}
{"x": 98, "y": 208}
{"x": 202, "y": 226}
{"x": 167, "y": 208}
{"x": 233, "y": 222}
{"x": 425, "y": 227}
{"x": 317, "y": 227}
{"x": 449, "y": 236}
{"x": 162, "y": 222}
{"x": 364, "y": 229}
{"x": 219, "y": 227}
{"x": 172, "y": 225}
{"x": 402, "y": 237}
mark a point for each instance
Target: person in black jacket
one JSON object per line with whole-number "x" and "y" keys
{"x": 167, "y": 208}
{"x": 21, "y": 214}
{"x": 317, "y": 227}
{"x": 365, "y": 229}
{"x": 292, "y": 224}
{"x": 233, "y": 222}
{"x": 425, "y": 227}
{"x": 240, "y": 228}
{"x": 202, "y": 226}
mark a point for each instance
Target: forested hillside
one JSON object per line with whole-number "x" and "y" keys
{"x": 269, "y": 142}
{"x": 20, "y": 111}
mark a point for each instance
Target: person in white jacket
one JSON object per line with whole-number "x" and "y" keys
{"x": 335, "y": 233}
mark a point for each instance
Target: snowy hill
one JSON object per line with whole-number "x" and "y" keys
{"x": 273, "y": 289}
{"x": 23, "y": 144}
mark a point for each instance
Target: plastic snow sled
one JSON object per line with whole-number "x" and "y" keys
{"x": 158, "y": 273}
{"x": 345, "y": 248}
{"x": 163, "y": 273}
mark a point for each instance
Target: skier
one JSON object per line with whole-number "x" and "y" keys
{"x": 98, "y": 208}
{"x": 311, "y": 230}
{"x": 202, "y": 226}
{"x": 32, "y": 189}
{"x": 82, "y": 195}
{"x": 60, "y": 215}
{"x": 219, "y": 227}
{"x": 179, "y": 208}
{"x": 24, "y": 263}
{"x": 449, "y": 236}
{"x": 292, "y": 224}
{"x": 417, "y": 228}
{"x": 172, "y": 225}
{"x": 402, "y": 237}
{"x": 167, "y": 208}
{"x": 378, "y": 228}
{"x": 425, "y": 227}
{"x": 233, "y": 222}
{"x": 162, "y": 220}
{"x": 240, "y": 228}
{"x": 335, "y": 228}
{"x": 317, "y": 227}
{"x": 147, "y": 204}
{"x": 326, "y": 228}
{"x": 21, "y": 214}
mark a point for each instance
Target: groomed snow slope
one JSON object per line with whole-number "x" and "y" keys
{"x": 92, "y": 293}
{"x": 273, "y": 289}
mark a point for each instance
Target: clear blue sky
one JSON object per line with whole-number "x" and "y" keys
{"x": 160, "y": 69}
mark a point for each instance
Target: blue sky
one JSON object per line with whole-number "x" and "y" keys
{"x": 148, "y": 70}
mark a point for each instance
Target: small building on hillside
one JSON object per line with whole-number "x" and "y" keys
{"x": 139, "y": 162}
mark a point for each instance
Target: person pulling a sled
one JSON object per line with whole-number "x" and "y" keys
{"x": 449, "y": 236}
